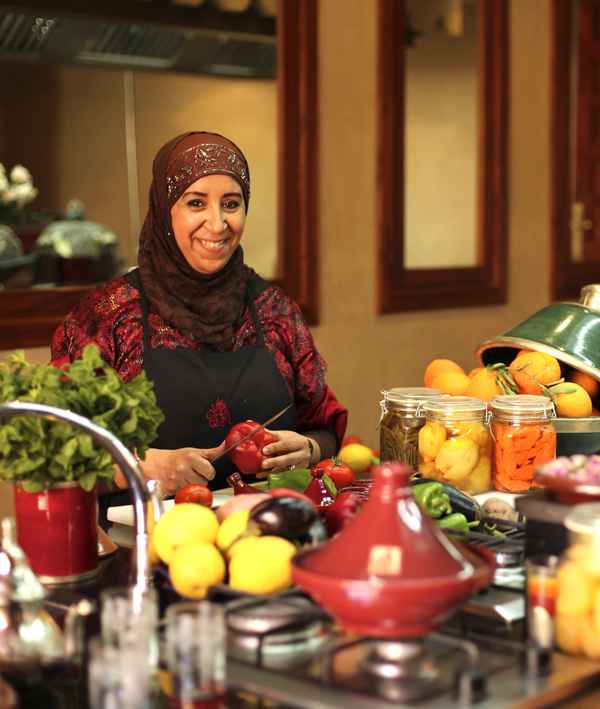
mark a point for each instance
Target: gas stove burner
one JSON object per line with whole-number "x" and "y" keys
{"x": 397, "y": 660}
{"x": 402, "y": 670}
{"x": 264, "y": 617}
{"x": 278, "y": 633}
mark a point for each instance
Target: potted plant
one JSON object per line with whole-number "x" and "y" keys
{"x": 54, "y": 467}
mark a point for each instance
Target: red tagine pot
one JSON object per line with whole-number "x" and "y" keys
{"x": 391, "y": 572}
{"x": 58, "y": 532}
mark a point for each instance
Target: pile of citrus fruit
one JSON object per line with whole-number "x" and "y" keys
{"x": 199, "y": 552}
{"x": 574, "y": 393}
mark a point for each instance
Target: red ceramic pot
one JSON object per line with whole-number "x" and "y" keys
{"x": 391, "y": 572}
{"x": 58, "y": 532}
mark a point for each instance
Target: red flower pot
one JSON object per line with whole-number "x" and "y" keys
{"x": 58, "y": 532}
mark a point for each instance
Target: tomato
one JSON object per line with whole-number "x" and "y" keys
{"x": 344, "y": 508}
{"x": 247, "y": 456}
{"x": 351, "y": 439}
{"x": 339, "y": 472}
{"x": 194, "y": 492}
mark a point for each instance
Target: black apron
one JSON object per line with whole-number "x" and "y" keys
{"x": 203, "y": 392}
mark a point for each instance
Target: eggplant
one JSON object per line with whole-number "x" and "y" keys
{"x": 459, "y": 501}
{"x": 288, "y": 517}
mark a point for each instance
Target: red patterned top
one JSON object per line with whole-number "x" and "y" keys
{"x": 111, "y": 317}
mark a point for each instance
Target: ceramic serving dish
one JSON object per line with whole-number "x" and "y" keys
{"x": 391, "y": 572}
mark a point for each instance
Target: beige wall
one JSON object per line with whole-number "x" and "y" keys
{"x": 67, "y": 125}
{"x": 367, "y": 352}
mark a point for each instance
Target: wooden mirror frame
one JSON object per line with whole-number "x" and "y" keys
{"x": 401, "y": 288}
{"x": 28, "y": 317}
{"x": 566, "y": 276}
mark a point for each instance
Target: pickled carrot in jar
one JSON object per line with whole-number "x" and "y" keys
{"x": 519, "y": 449}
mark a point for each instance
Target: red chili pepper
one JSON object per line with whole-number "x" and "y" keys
{"x": 247, "y": 456}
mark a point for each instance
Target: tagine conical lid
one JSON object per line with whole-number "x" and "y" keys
{"x": 390, "y": 538}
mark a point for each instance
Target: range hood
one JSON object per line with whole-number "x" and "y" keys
{"x": 216, "y": 43}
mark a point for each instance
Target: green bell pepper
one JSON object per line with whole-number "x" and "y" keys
{"x": 432, "y": 498}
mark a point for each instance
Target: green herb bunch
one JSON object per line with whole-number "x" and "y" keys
{"x": 39, "y": 453}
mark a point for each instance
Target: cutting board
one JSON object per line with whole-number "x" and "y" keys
{"x": 124, "y": 513}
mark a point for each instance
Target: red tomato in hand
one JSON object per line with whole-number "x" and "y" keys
{"x": 247, "y": 456}
{"x": 339, "y": 472}
{"x": 194, "y": 492}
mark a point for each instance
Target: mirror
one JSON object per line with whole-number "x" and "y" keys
{"x": 113, "y": 181}
{"x": 575, "y": 186}
{"x": 442, "y": 98}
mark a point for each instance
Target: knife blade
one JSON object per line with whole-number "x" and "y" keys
{"x": 254, "y": 431}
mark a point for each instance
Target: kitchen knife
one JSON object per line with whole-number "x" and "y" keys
{"x": 253, "y": 432}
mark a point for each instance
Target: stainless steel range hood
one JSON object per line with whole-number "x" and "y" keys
{"x": 47, "y": 37}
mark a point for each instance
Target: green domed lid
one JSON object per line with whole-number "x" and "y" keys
{"x": 570, "y": 332}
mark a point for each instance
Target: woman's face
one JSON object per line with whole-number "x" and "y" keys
{"x": 208, "y": 222}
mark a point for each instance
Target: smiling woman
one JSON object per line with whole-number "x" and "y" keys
{"x": 220, "y": 344}
{"x": 208, "y": 222}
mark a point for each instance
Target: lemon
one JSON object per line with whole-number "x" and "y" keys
{"x": 183, "y": 524}
{"x": 457, "y": 458}
{"x": 357, "y": 456}
{"x": 431, "y": 437}
{"x": 263, "y": 567}
{"x": 231, "y": 528}
{"x": 194, "y": 567}
{"x": 243, "y": 546}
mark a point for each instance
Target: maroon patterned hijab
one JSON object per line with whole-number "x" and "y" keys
{"x": 207, "y": 307}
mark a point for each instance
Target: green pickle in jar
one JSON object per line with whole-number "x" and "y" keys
{"x": 455, "y": 444}
{"x": 401, "y": 420}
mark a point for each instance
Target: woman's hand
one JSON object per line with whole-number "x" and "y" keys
{"x": 290, "y": 450}
{"x": 176, "y": 468}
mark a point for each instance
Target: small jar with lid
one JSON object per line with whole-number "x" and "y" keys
{"x": 455, "y": 444}
{"x": 401, "y": 420}
{"x": 577, "y": 622}
{"x": 524, "y": 439}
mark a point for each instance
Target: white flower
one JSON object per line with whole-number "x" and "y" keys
{"x": 20, "y": 175}
{"x": 22, "y": 194}
{"x": 2, "y": 169}
{"x": 4, "y": 185}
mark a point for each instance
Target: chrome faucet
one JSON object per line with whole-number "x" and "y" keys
{"x": 122, "y": 457}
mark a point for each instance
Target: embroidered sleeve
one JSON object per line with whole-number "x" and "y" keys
{"x": 289, "y": 338}
{"x": 110, "y": 317}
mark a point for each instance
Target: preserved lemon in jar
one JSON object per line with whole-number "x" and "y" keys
{"x": 455, "y": 445}
{"x": 401, "y": 421}
{"x": 577, "y": 630}
{"x": 524, "y": 439}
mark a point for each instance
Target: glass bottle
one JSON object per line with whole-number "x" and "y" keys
{"x": 316, "y": 489}
{"x": 401, "y": 421}
{"x": 239, "y": 486}
{"x": 455, "y": 445}
{"x": 577, "y": 623}
{"x": 524, "y": 439}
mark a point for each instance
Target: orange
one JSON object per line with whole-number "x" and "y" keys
{"x": 573, "y": 404}
{"x": 482, "y": 385}
{"x": 455, "y": 383}
{"x": 522, "y": 352}
{"x": 531, "y": 369}
{"x": 586, "y": 381}
{"x": 439, "y": 366}
{"x": 474, "y": 371}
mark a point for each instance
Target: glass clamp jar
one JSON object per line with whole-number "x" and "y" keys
{"x": 524, "y": 438}
{"x": 577, "y": 622}
{"x": 455, "y": 444}
{"x": 401, "y": 419}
